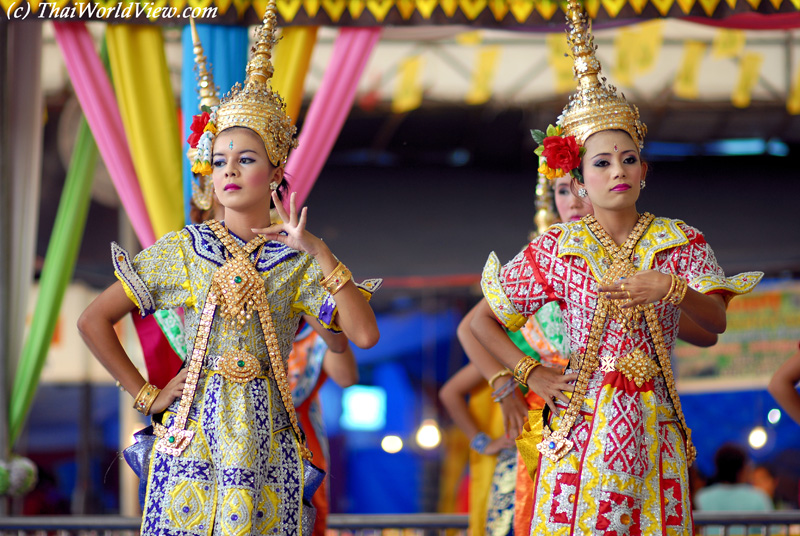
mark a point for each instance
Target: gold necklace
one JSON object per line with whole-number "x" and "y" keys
{"x": 621, "y": 265}
{"x": 555, "y": 445}
{"x": 236, "y": 283}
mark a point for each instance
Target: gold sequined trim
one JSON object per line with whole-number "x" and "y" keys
{"x": 501, "y": 306}
{"x": 577, "y": 239}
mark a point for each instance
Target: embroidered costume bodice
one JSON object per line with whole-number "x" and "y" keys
{"x": 566, "y": 263}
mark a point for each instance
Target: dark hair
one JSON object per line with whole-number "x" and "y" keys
{"x": 730, "y": 459}
{"x": 283, "y": 189}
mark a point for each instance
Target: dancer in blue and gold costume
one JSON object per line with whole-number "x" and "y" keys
{"x": 229, "y": 453}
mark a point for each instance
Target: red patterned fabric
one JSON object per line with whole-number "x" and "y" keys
{"x": 627, "y": 473}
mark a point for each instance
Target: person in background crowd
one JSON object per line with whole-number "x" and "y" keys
{"x": 731, "y": 490}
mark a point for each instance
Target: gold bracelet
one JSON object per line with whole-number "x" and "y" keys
{"x": 680, "y": 291}
{"x": 338, "y": 278}
{"x": 145, "y": 398}
{"x": 524, "y": 368}
{"x": 672, "y": 278}
{"x": 504, "y": 372}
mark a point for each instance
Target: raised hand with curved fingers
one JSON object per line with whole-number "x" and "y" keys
{"x": 648, "y": 286}
{"x": 292, "y": 231}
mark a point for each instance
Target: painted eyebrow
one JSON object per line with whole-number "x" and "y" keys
{"x": 609, "y": 154}
{"x": 240, "y": 153}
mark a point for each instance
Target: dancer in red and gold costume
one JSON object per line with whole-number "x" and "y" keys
{"x": 609, "y": 453}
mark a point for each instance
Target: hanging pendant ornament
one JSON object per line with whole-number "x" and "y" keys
{"x": 622, "y": 266}
{"x": 237, "y": 283}
{"x": 239, "y": 366}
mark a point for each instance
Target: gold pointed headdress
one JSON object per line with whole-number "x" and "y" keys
{"x": 202, "y": 187}
{"x": 253, "y": 105}
{"x": 595, "y": 106}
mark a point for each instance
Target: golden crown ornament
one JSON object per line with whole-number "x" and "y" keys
{"x": 253, "y": 105}
{"x": 595, "y": 106}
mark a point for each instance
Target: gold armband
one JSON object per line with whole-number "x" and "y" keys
{"x": 336, "y": 279}
{"x": 524, "y": 368}
{"x": 145, "y": 398}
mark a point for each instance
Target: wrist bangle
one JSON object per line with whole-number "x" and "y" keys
{"x": 338, "y": 278}
{"x": 506, "y": 389}
{"x": 504, "y": 372}
{"x": 145, "y": 398}
{"x": 524, "y": 368}
{"x": 480, "y": 442}
{"x": 677, "y": 291}
{"x": 671, "y": 288}
{"x": 680, "y": 294}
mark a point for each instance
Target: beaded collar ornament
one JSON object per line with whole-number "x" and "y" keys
{"x": 593, "y": 108}
{"x": 253, "y": 105}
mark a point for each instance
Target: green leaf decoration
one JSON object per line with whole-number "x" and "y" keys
{"x": 552, "y": 131}
{"x": 538, "y": 136}
{"x": 577, "y": 173}
{"x": 205, "y": 108}
{"x": 539, "y": 150}
{"x": 582, "y": 152}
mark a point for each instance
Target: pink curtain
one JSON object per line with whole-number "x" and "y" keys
{"x": 99, "y": 104}
{"x": 330, "y": 107}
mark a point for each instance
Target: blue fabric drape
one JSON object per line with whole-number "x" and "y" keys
{"x": 227, "y": 52}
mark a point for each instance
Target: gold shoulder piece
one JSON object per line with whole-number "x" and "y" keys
{"x": 501, "y": 305}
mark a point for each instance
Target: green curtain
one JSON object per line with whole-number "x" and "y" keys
{"x": 59, "y": 265}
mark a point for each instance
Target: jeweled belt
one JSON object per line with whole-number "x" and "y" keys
{"x": 238, "y": 366}
{"x": 635, "y": 366}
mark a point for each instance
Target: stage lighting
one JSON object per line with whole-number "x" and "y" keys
{"x": 774, "y": 416}
{"x": 392, "y": 444}
{"x": 363, "y": 408}
{"x": 758, "y": 437}
{"x": 428, "y": 435}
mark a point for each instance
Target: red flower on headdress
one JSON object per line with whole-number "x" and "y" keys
{"x": 562, "y": 153}
{"x": 199, "y": 123}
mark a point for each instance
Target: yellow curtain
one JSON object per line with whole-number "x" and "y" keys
{"x": 408, "y": 91}
{"x": 292, "y": 58}
{"x": 483, "y": 75}
{"x": 147, "y": 105}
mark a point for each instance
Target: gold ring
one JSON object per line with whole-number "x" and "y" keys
{"x": 628, "y": 292}
{"x": 622, "y": 286}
